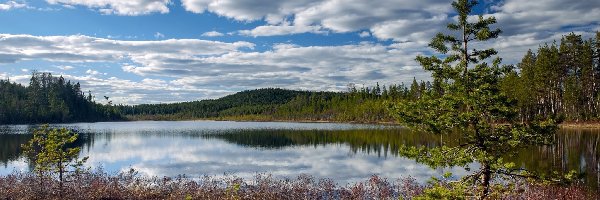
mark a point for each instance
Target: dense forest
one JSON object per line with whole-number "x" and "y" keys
{"x": 251, "y": 102}
{"x": 49, "y": 99}
{"x": 361, "y": 105}
{"x": 561, "y": 80}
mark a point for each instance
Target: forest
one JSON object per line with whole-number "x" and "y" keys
{"x": 49, "y": 99}
{"x": 559, "y": 80}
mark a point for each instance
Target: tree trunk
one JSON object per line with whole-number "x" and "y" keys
{"x": 60, "y": 177}
{"x": 487, "y": 175}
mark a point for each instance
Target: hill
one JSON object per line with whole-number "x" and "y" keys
{"x": 249, "y": 102}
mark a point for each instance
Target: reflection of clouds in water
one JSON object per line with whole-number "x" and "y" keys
{"x": 19, "y": 165}
{"x": 174, "y": 148}
{"x": 192, "y": 127}
{"x": 194, "y": 157}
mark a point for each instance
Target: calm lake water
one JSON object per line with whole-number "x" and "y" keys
{"x": 345, "y": 153}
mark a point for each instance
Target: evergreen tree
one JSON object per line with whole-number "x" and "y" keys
{"x": 482, "y": 119}
{"x": 414, "y": 89}
{"x": 49, "y": 150}
{"x": 527, "y": 101}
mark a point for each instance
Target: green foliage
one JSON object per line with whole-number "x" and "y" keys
{"x": 443, "y": 190}
{"x": 248, "y": 102}
{"x": 559, "y": 81}
{"x": 359, "y": 105}
{"x": 49, "y": 150}
{"x": 472, "y": 106}
{"x": 49, "y": 99}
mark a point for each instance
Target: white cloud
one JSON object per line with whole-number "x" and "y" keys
{"x": 545, "y": 15}
{"x": 318, "y": 16}
{"x": 405, "y": 21}
{"x": 207, "y": 69}
{"x": 13, "y": 5}
{"x": 248, "y": 10}
{"x": 364, "y": 34}
{"x": 274, "y": 30}
{"x": 79, "y": 48}
{"x": 94, "y": 72}
{"x": 212, "y": 34}
{"x": 158, "y": 35}
{"x": 120, "y": 7}
{"x": 65, "y": 67}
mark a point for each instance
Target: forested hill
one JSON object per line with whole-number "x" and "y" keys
{"x": 249, "y": 102}
{"x": 359, "y": 105}
{"x": 49, "y": 99}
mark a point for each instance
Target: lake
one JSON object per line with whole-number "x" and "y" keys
{"x": 345, "y": 153}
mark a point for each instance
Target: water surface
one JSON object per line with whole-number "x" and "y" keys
{"x": 346, "y": 153}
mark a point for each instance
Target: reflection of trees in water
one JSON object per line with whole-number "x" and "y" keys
{"x": 10, "y": 144}
{"x": 575, "y": 149}
{"x": 378, "y": 141}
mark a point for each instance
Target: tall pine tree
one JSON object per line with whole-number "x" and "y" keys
{"x": 472, "y": 110}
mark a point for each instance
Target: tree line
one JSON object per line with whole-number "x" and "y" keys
{"x": 560, "y": 80}
{"x": 49, "y": 99}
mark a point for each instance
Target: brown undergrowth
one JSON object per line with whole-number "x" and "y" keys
{"x": 130, "y": 185}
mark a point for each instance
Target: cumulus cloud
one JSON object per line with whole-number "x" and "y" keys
{"x": 274, "y": 30}
{"x": 94, "y": 72}
{"x": 80, "y": 48}
{"x": 216, "y": 67}
{"x": 12, "y": 5}
{"x": 404, "y": 21}
{"x": 65, "y": 67}
{"x": 317, "y": 16}
{"x": 119, "y": 7}
{"x": 273, "y": 11}
{"x": 364, "y": 34}
{"x": 518, "y": 17}
{"x": 290, "y": 66}
{"x": 212, "y": 34}
{"x": 158, "y": 35}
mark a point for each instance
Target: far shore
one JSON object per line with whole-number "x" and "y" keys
{"x": 586, "y": 125}
{"x": 590, "y": 125}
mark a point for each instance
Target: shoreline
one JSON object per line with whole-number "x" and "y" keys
{"x": 584, "y": 125}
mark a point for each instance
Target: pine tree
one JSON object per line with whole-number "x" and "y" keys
{"x": 414, "y": 89}
{"x": 50, "y": 151}
{"x": 472, "y": 110}
{"x": 527, "y": 101}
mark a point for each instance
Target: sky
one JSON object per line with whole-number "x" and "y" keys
{"x": 161, "y": 51}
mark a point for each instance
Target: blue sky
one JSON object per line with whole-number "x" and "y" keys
{"x": 152, "y": 51}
